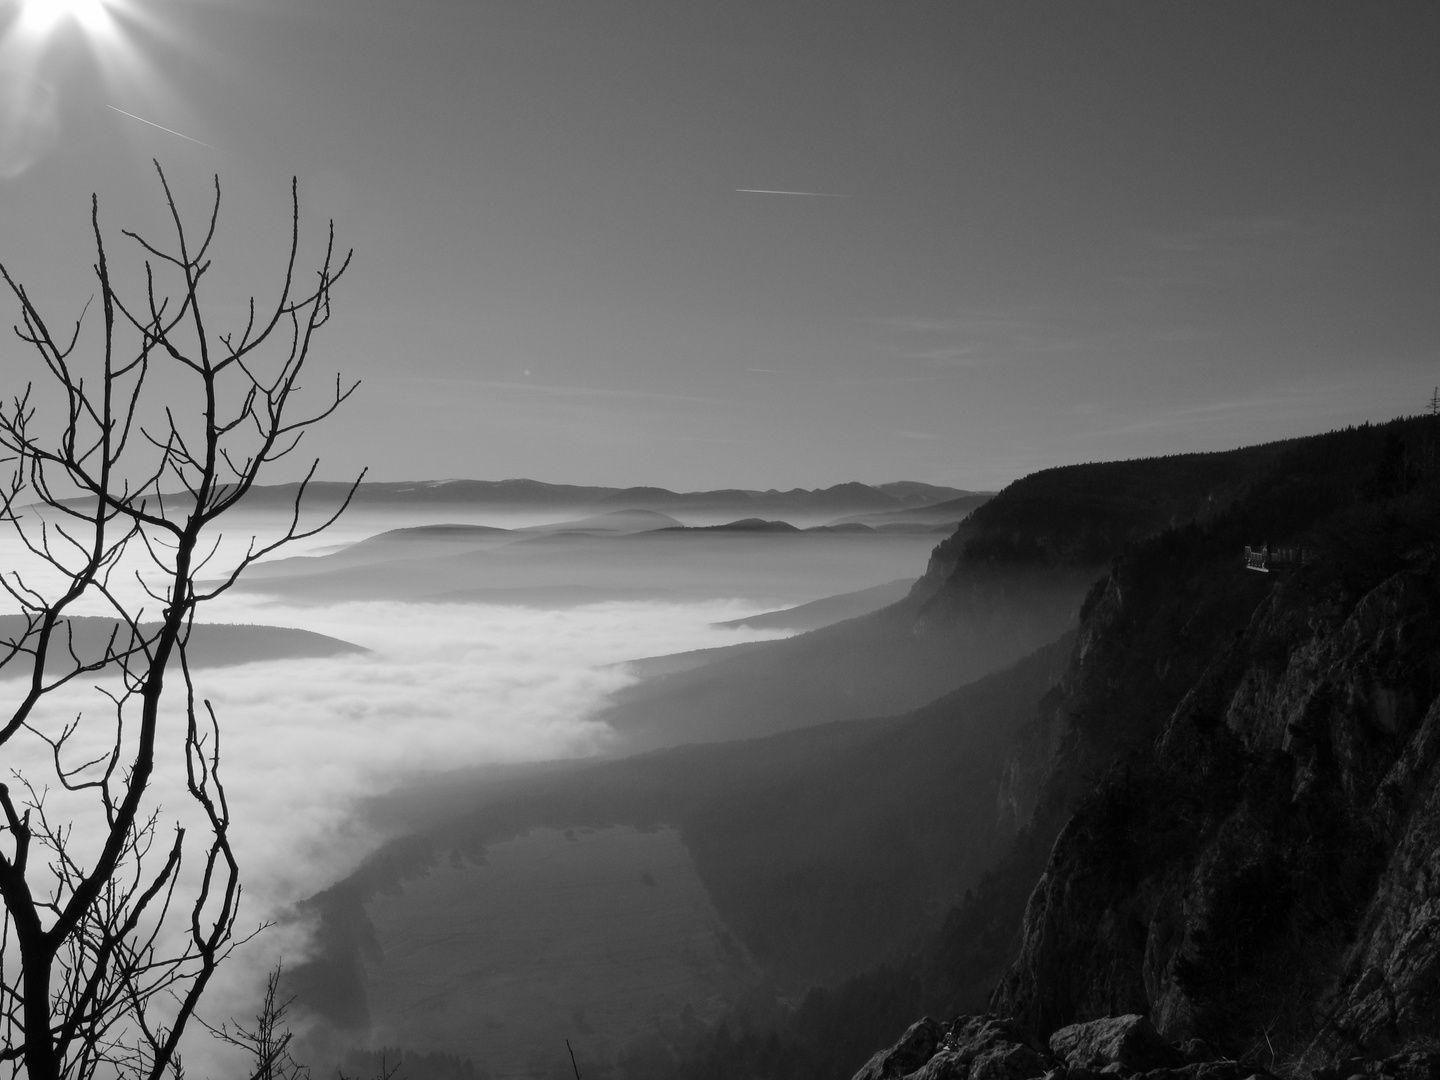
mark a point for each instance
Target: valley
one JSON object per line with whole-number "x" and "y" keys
{"x": 866, "y": 806}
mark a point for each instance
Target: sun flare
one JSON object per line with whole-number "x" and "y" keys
{"x": 40, "y": 39}
{"x": 46, "y": 16}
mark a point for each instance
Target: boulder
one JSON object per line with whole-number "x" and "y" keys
{"x": 915, "y": 1048}
{"x": 1221, "y": 1070}
{"x": 1128, "y": 1042}
{"x": 1012, "y": 1061}
{"x": 946, "y": 1065}
{"x": 972, "y": 1036}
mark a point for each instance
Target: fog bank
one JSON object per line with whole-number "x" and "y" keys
{"x": 306, "y": 741}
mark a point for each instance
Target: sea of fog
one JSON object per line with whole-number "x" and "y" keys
{"x": 305, "y": 742}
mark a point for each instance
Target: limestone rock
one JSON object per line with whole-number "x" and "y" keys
{"x": 1415, "y": 1065}
{"x": 946, "y": 1065}
{"x": 968, "y": 1048}
{"x": 915, "y": 1048}
{"x": 1013, "y": 1061}
{"x": 1130, "y": 1042}
{"x": 1220, "y": 1070}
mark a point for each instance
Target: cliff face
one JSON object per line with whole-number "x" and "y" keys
{"x": 1244, "y": 774}
{"x": 1014, "y": 571}
{"x": 1224, "y": 816}
{"x": 1082, "y": 515}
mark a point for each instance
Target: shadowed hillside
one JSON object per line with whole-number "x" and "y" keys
{"x": 1227, "y": 818}
{"x": 1008, "y": 581}
{"x": 888, "y": 661}
{"x": 831, "y": 609}
{"x": 210, "y": 644}
{"x": 823, "y": 850}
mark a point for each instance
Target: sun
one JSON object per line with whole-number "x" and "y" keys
{"x": 43, "y": 17}
{"x": 40, "y": 44}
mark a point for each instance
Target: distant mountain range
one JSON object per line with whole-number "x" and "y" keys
{"x": 627, "y": 554}
{"x": 836, "y": 501}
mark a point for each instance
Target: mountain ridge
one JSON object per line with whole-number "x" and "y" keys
{"x": 849, "y": 497}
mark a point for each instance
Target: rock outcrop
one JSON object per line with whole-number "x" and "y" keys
{"x": 1258, "y": 863}
{"x": 1228, "y": 813}
{"x": 1129, "y": 1041}
{"x": 1225, "y": 816}
{"x": 1269, "y": 862}
{"x": 987, "y": 1047}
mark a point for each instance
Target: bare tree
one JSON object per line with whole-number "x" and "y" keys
{"x": 126, "y": 447}
{"x": 268, "y": 1041}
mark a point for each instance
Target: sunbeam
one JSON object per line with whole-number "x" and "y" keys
{"x": 39, "y": 47}
{"x": 44, "y": 17}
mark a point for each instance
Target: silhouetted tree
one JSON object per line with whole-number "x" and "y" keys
{"x": 268, "y": 1040}
{"x": 126, "y": 447}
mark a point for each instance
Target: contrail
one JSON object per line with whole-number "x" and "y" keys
{"x": 162, "y": 127}
{"x": 817, "y": 194}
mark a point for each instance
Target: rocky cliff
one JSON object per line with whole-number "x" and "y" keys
{"x": 1257, "y": 865}
{"x": 1227, "y": 814}
{"x": 988, "y": 1047}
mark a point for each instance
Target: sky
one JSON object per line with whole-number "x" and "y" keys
{"x": 1038, "y": 233}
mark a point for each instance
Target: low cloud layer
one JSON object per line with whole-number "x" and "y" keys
{"x": 444, "y": 686}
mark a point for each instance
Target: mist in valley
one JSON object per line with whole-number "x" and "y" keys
{"x": 452, "y": 801}
{"x": 395, "y": 655}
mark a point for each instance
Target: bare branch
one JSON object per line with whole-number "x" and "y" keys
{"x": 117, "y": 508}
